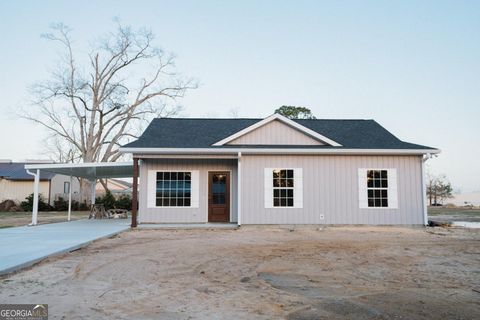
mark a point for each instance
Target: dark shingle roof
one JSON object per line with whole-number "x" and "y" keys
{"x": 16, "y": 171}
{"x": 202, "y": 133}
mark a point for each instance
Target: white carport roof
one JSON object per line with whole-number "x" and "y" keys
{"x": 88, "y": 170}
{"x": 91, "y": 171}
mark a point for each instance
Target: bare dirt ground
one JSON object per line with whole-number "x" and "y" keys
{"x": 261, "y": 273}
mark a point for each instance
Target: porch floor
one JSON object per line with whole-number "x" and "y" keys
{"x": 207, "y": 225}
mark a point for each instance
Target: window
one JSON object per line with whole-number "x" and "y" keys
{"x": 66, "y": 187}
{"x": 283, "y": 186}
{"x": 377, "y": 188}
{"x": 173, "y": 189}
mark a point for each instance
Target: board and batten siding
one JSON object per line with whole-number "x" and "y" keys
{"x": 276, "y": 132}
{"x": 331, "y": 190}
{"x": 185, "y": 214}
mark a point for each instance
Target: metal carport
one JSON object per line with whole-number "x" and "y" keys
{"x": 91, "y": 171}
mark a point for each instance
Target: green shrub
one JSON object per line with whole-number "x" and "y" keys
{"x": 124, "y": 202}
{"x": 108, "y": 200}
{"x": 27, "y": 205}
{"x": 61, "y": 204}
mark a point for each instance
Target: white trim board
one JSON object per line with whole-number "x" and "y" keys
{"x": 245, "y": 151}
{"x": 283, "y": 119}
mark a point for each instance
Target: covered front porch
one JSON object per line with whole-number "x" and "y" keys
{"x": 189, "y": 189}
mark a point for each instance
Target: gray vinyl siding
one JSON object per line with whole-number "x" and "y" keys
{"x": 276, "y": 132}
{"x": 185, "y": 215}
{"x": 330, "y": 188}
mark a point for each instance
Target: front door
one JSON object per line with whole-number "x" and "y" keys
{"x": 219, "y": 196}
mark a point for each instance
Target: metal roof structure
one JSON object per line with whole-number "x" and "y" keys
{"x": 87, "y": 170}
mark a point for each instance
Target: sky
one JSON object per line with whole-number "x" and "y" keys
{"x": 413, "y": 66}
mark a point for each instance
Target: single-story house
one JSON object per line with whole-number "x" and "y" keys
{"x": 115, "y": 186}
{"x": 16, "y": 184}
{"x": 277, "y": 171}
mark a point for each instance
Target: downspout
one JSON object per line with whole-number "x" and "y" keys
{"x": 424, "y": 189}
{"x": 239, "y": 189}
{"x": 35, "y": 196}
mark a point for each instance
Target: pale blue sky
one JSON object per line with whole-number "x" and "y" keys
{"x": 414, "y": 66}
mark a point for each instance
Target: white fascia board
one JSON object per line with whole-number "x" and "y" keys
{"x": 283, "y": 119}
{"x": 174, "y": 151}
{"x": 78, "y": 165}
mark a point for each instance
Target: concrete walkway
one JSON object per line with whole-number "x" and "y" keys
{"x": 24, "y": 246}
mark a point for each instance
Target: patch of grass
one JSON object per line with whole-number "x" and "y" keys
{"x": 14, "y": 219}
{"x": 435, "y": 211}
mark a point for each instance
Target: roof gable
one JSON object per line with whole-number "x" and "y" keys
{"x": 269, "y": 132}
{"x": 275, "y": 133}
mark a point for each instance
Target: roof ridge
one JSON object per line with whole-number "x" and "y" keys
{"x": 197, "y": 118}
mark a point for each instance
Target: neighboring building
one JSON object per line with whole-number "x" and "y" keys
{"x": 16, "y": 184}
{"x": 116, "y": 186}
{"x": 278, "y": 171}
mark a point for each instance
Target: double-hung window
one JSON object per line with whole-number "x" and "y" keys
{"x": 377, "y": 188}
{"x": 66, "y": 187}
{"x": 283, "y": 188}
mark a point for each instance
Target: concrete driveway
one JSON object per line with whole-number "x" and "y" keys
{"x": 21, "y": 247}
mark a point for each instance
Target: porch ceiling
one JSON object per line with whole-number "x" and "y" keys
{"x": 92, "y": 170}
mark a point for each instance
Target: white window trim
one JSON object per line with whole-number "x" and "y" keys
{"x": 152, "y": 189}
{"x": 392, "y": 189}
{"x": 297, "y": 188}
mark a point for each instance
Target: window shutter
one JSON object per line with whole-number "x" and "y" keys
{"x": 268, "y": 187}
{"x": 392, "y": 189}
{"x": 195, "y": 189}
{"x": 362, "y": 188}
{"x": 298, "y": 188}
{"x": 152, "y": 189}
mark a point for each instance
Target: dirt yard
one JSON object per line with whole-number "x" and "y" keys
{"x": 262, "y": 273}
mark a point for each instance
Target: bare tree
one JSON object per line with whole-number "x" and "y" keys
{"x": 439, "y": 188}
{"x": 92, "y": 108}
{"x": 59, "y": 150}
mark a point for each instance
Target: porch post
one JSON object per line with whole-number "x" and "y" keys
{"x": 36, "y": 184}
{"x": 70, "y": 199}
{"x": 135, "y": 193}
{"x": 93, "y": 190}
{"x": 239, "y": 189}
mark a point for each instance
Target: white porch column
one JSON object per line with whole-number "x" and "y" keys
{"x": 70, "y": 199}
{"x": 92, "y": 193}
{"x": 239, "y": 189}
{"x": 36, "y": 184}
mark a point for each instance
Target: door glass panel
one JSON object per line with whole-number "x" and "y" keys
{"x": 219, "y": 188}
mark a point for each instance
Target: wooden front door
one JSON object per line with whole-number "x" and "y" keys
{"x": 219, "y": 196}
